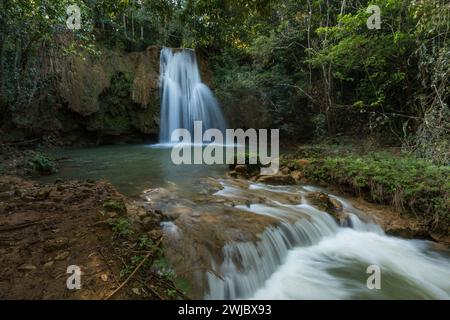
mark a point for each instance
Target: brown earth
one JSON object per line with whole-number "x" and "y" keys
{"x": 46, "y": 228}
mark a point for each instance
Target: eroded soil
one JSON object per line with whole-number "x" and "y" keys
{"x": 45, "y": 229}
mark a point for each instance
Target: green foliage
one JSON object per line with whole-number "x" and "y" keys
{"x": 164, "y": 268}
{"x": 42, "y": 164}
{"x": 122, "y": 226}
{"x": 183, "y": 284}
{"x": 2, "y": 169}
{"x": 126, "y": 271}
{"x": 115, "y": 205}
{"x": 409, "y": 184}
{"x": 171, "y": 293}
{"x": 313, "y": 64}
{"x": 27, "y": 31}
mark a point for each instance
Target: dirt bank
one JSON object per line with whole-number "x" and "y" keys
{"x": 46, "y": 228}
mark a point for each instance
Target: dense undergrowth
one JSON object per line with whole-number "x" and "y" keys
{"x": 409, "y": 184}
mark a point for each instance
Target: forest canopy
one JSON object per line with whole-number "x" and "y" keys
{"x": 316, "y": 65}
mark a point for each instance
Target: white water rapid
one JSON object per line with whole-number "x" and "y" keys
{"x": 308, "y": 255}
{"x": 184, "y": 98}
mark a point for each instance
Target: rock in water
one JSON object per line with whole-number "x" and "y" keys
{"x": 277, "y": 179}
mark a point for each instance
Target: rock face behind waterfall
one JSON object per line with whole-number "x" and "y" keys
{"x": 108, "y": 97}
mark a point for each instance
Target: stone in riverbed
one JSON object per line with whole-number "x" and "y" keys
{"x": 277, "y": 179}
{"x": 241, "y": 168}
{"x": 327, "y": 204}
{"x": 408, "y": 232}
{"x": 285, "y": 170}
{"x": 297, "y": 175}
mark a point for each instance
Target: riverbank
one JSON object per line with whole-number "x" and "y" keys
{"x": 202, "y": 219}
{"x": 412, "y": 195}
{"x": 47, "y": 228}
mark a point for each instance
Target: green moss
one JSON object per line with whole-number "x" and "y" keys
{"x": 409, "y": 184}
{"x": 118, "y": 114}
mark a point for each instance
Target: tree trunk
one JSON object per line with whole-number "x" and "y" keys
{"x": 132, "y": 25}
{"x": 125, "y": 25}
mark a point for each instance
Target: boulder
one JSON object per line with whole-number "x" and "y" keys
{"x": 327, "y": 204}
{"x": 297, "y": 175}
{"x": 277, "y": 179}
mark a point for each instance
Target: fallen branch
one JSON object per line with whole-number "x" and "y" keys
{"x": 169, "y": 284}
{"x": 155, "y": 293}
{"x": 134, "y": 272}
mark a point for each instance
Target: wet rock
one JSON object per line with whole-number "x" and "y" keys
{"x": 156, "y": 194}
{"x": 408, "y": 232}
{"x": 297, "y": 175}
{"x": 241, "y": 169}
{"x": 149, "y": 223}
{"x": 156, "y": 234}
{"x": 285, "y": 170}
{"x": 327, "y": 204}
{"x": 321, "y": 200}
{"x": 233, "y": 174}
{"x": 337, "y": 205}
{"x": 177, "y": 211}
{"x": 277, "y": 179}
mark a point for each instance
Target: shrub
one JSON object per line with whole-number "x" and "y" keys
{"x": 43, "y": 164}
{"x": 122, "y": 226}
{"x": 409, "y": 184}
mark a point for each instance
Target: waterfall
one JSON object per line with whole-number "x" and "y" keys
{"x": 184, "y": 98}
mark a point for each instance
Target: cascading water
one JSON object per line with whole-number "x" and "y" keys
{"x": 184, "y": 98}
{"x": 308, "y": 255}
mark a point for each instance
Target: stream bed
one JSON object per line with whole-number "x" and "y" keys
{"x": 236, "y": 239}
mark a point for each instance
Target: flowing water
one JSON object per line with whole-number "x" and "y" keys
{"x": 254, "y": 241}
{"x": 239, "y": 240}
{"x": 184, "y": 98}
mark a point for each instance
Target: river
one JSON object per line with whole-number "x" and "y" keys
{"x": 238, "y": 239}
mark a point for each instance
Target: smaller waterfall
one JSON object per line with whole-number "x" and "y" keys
{"x": 308, "y": 255}
{"x": 184, "y": 98}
